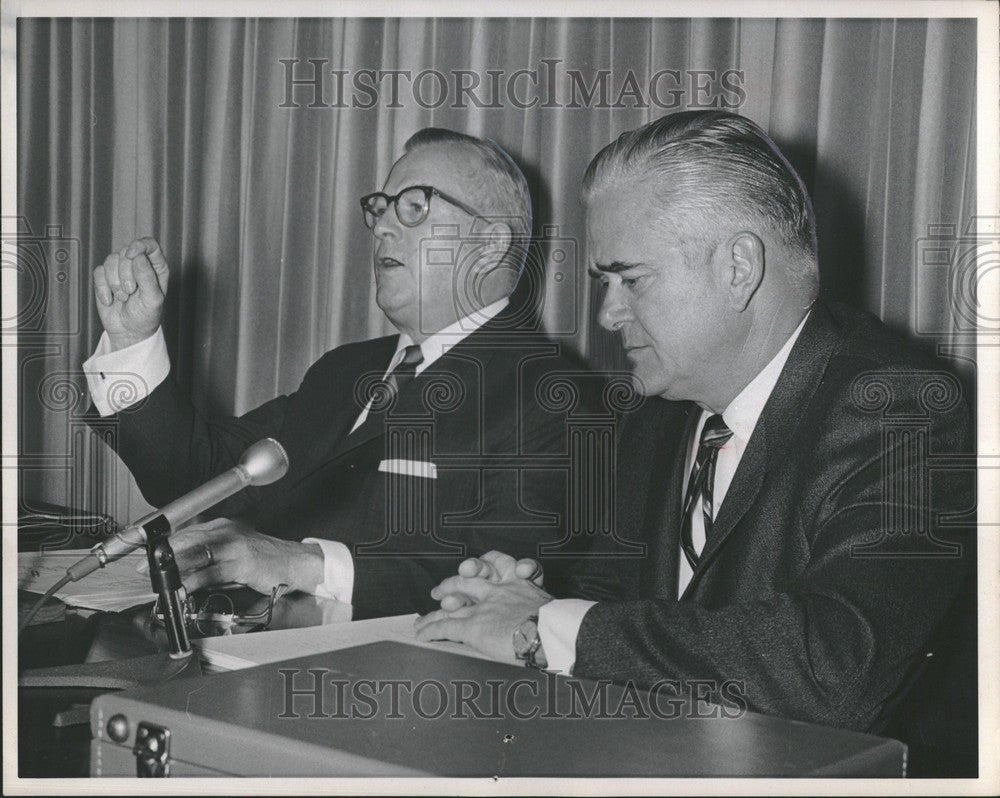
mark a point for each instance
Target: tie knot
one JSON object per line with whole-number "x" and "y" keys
{"x": 715, "y": 433}
{"x": 412, "y": 356}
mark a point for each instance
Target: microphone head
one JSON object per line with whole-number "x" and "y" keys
{"x": 264, "y": 462}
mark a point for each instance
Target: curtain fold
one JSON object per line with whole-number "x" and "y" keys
{"x": 181, "y": 129}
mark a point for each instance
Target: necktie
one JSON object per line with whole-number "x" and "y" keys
{"x": 713, "y": 437}
{"x": 384, "y": 392}
{"x": 405, "y": 370}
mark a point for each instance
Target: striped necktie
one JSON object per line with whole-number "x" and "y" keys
{"x": 713, "y": 437}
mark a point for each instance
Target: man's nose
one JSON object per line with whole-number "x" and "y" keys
{"x": 387, "y": 225}
{"x": 614, "y": 310}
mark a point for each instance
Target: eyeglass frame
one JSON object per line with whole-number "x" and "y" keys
{"x": 194, "y": 617}
{"x": 429, "y": 191}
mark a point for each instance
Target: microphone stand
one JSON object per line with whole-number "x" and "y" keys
{"x": 166, "y": 579}
{"x": 120, "y": 674}
{"x": 262, "y": 463}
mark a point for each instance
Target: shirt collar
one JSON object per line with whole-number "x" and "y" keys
{"x": 743, "y": 412}
{"x": 436, "y": 345}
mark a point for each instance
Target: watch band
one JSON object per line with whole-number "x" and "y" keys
{"x": 526, "y": 647}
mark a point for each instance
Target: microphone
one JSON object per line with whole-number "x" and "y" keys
{"x": 263, "y": 463}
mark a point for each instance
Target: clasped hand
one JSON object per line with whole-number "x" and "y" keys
{"x": 485, "y": 603}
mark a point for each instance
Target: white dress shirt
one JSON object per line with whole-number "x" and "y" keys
{"x": 119, "y": 379}
{"x": 559, "y": 621}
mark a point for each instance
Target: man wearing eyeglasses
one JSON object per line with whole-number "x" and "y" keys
{"x": 407, "y": 452}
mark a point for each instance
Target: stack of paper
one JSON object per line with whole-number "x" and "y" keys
{"x": 113, "y": 588}
{"x": 233, "y": 652}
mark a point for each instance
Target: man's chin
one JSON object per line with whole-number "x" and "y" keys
{"x": 390, "y": 299}
{"x": 650, "y": 385}
{"x": 394, "y": 311}
{"x": 640, "y": 385}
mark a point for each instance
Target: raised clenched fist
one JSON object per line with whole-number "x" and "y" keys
{"x": 130, "y": 287}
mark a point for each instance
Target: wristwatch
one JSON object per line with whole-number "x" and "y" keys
{"x": 527, "y": 642}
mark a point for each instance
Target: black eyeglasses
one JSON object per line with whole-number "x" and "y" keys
{"x": 412, "y": 205}
{"x": 216, "y": 615}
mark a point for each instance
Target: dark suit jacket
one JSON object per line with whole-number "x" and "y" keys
{"x": 489, "y": 414}
{"x": 821, "y": 582}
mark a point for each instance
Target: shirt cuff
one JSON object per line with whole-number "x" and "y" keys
{"x": 121, "y": 378}
{"x": 338, "y": 571}
{"x": 558, "y": 627}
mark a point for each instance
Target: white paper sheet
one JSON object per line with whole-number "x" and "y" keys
{"x": 113, "y": 588}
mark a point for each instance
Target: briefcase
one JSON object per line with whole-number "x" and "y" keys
{"x": 391, "y": 709}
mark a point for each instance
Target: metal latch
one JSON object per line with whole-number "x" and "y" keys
{"x": 152, "y": 751}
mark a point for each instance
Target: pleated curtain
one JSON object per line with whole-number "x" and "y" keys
{"x": 176, "y": 128}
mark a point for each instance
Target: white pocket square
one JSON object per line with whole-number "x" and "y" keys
{"x": 410, "y": 468}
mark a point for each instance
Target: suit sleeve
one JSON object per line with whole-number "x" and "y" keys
{"x": 831, "y": 640}
{"x": 171, "y": 448}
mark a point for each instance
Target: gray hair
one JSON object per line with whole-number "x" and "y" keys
{"x": 501, "y": 191}
{"x": 717, "y": 160}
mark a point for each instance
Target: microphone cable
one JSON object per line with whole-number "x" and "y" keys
{"x": 38, "y": 604}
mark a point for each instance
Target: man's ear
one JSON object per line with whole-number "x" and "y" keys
{"x": 497, "y": 237}
{"x": 488, "y": 278}
{"x": 744, "y": 268}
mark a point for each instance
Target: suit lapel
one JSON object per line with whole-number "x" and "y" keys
{"x": 470, "y": 354}
{"x": 798, "y": 381}
{"x": 373, "y": 427}
{"x": 342, "y": 400}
